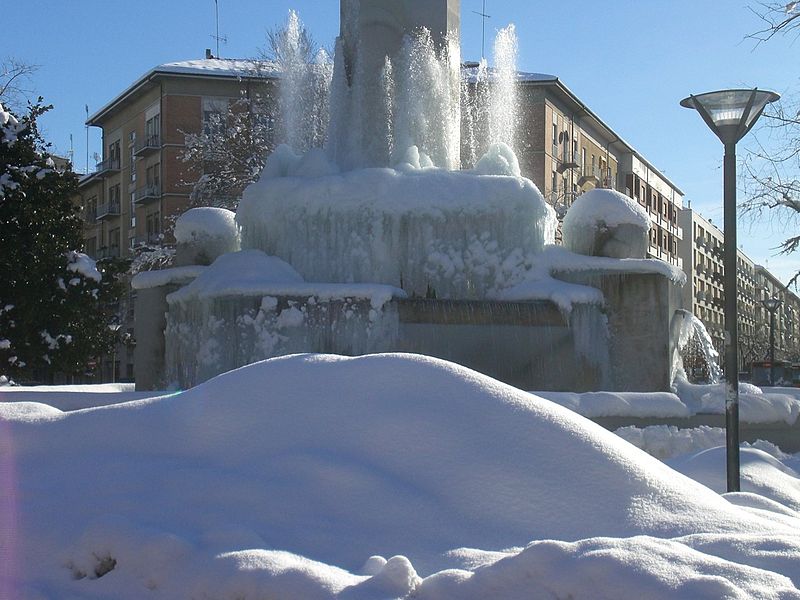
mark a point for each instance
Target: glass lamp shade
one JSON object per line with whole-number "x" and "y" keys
{"x": 772, "y": 304}
{"x": 730, "y": 113}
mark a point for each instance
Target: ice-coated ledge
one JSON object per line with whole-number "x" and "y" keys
{"x": 253, "y": 273}
{"x": 377, "y": 294}
{"x": 541, "y": 281}
{"x": 176, "y": 275}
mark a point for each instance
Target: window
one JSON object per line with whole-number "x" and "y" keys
{"x": 153, "y": 227}
{"x": 213, "y": 111}
{"x": 91, "y": 209}
{"x": 133, "y": 210}
{"x": 114, "y": 154}
{"x": 91, "y": 247}
{"x": 154, "y": 175}
{"x": 113, "y": 241}
{"x": 131, "y": 150}
{"x": 114, "y": 197}
{"x": 152, "y": 131}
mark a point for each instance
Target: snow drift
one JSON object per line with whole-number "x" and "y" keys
{"x": 291, "y": 478}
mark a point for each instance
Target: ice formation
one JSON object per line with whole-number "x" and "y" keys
{"x": 459, "y": 233}
{"x": 694, "y": 345}
{"x": 248, "y": 306}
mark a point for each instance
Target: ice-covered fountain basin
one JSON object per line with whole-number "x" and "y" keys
{"x": 456, "y": 234}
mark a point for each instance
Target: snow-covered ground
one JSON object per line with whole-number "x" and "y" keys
{"x": 385, "y": 476}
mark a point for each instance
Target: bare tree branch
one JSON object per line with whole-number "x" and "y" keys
{"x": 16, "y": 82}
{"x": 776, "y": 17}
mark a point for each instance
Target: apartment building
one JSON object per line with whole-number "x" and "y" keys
{"x": 141, "y": 184}
{"x": 787, "y": 342}
{"x": 702, "y": 249}
{"x": 566, "y": 149}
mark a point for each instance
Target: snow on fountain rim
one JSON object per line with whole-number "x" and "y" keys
{"x": 254, "y": 273}
{"x": 205, "y": 221}
{"x": 400, "y": 454}
{"x": 541, "y": 282}
{"x": 161, "y": 277}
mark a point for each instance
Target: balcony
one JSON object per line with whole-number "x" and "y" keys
{"x": 147, "y": 193}
{"x": 150, "y": 143}
{"x": 591, "y": 175}
{"x": 109, "y": 209}
{"x": 107, "y": 167}
{"x": 90, "y": 215}
{"x": 568, "y": 160}
{"x": 153, "y": 239}
{"x": 108, "y": 252}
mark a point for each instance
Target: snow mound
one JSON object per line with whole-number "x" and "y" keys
{"x": 282, "y": 479}
{"x": 205, "y": 221}
{"x": 606, "y": 223}
{"x": 204, "y": 233}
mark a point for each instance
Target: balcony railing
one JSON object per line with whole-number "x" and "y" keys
{"x": 153, "y": 239}
{"x": 109, "y": 209}
{"x": 108, "y": 252}
{"x": 90, "y": 215}
{"x": 147, "y": 193}
{"x": 107, "y": 167}
{"x": 150, "y": 143}
{"x": 568, "y": 159}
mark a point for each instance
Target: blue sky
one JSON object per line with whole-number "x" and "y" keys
{"x": 631, "y": 61}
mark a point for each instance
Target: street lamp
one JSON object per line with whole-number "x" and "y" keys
{"x": 730, "y": 114}
{"x": 114, "y": 327}
{"x": 772, "y": 305}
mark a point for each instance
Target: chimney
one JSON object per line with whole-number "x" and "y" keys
{"x": 208, "y": 53}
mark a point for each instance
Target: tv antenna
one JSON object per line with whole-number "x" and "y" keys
{"x": 482, "y": 14}
{"x": 219, "y": 38}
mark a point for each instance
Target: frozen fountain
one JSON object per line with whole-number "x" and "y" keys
{"x": 696, "y": 359}
{"x": 375, "y": 241}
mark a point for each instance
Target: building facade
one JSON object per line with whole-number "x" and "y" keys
{"x": 566, "y": 149}
{"x": 702, "y": 250}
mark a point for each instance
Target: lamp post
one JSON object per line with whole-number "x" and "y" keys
{"x": 114, "y": 326}
{"x": 730, "y": 114}
{"x": 772, "y": 305}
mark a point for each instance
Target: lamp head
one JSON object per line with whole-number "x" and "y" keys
{"x": 730, "y": 114}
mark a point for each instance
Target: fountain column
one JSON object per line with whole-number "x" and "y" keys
{"x": 372, "y": 31}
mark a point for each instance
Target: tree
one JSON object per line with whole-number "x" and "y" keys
{"x": 56, "y": 303}
{"x": 771, "y": 163}
{"x": 230, "y": 151}
{"x": 15, "y": 78}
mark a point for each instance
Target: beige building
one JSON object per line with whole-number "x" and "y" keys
{"x": 566, "y": 149}
{"x": 141, "y": 184}
{"x": 702, "y": 251}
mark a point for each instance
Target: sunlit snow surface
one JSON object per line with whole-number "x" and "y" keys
{"x": 290, "y": 478}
